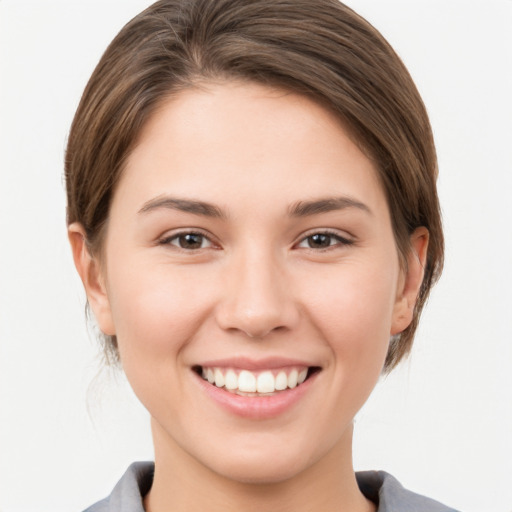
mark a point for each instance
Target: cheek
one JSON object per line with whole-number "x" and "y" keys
{"x": 354, "y": 312}
{"x": 155, "y": 309}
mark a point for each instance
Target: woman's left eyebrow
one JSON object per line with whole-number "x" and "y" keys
{"x": 184, "y": 205}
{"x": 324, "y": 205}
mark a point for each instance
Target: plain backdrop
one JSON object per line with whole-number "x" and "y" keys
{"x": 442, "y": 423}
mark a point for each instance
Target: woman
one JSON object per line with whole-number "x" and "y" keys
{"x": 253, "y": 212}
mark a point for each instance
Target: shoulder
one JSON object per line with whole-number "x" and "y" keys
{"x": 382, "y": 488}
{"x": 129, "y": 492}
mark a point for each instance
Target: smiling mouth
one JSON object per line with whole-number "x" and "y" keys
{"x": 250, "y": 383}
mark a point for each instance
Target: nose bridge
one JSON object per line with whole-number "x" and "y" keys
{"x": 257, "y": 300}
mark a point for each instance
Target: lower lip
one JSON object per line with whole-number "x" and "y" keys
{"x": 256, "y": 407}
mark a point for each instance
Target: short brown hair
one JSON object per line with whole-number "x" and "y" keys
{"x": 319, "y": 48}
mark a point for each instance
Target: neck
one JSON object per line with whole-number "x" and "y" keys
{"x": 182, "y": 483}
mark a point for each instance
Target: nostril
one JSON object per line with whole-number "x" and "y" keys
{"x": 259, "y": 306}
{"x": 258, "y": 334}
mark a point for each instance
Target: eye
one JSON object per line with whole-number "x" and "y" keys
{"x": 188, "y": 241}
{"x": 323, "y": 240}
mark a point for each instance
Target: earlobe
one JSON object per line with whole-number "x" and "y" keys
{"x": 411, "y": 281}
{"x": 89, "y": 269}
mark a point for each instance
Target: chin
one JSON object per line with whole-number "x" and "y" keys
{"x": 277, "y": 463}
{"x": 248, "y": 471}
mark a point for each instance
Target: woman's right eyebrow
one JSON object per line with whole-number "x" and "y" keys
{"x": 184, "y": 205}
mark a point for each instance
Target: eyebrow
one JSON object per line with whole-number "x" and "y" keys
{"x": 298, "y": 209}
{"x": 183, "y": 205}
{"x": 324, "y": 205}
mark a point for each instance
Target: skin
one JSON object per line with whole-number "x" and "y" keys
{"x": 255, "y": 286}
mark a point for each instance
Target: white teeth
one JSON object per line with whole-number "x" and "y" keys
{"x": 219, "y": 378}
{"x": 265, "y": 383}
{"x": 281, "y": 381}
{"x": 231, "y": 380}
{"x": 246, "y": 382}
{"x": 292, "y": 379}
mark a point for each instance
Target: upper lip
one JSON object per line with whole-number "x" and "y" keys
{"x": 245, "y": 363}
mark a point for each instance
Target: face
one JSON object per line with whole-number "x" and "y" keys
{"x": 251, "y": 277}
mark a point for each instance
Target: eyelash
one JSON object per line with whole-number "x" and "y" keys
{"x": 176, "y": 237}
{"x": 340, "y": 240}
{"x": 331, "y": 235}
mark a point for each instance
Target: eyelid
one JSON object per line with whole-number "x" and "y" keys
{"x": 343, "y": 239}
{"x": 166, "y": 238}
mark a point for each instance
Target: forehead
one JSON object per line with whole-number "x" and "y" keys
{"x": 243, "y": 141}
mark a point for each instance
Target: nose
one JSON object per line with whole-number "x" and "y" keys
{"x": 257, "y": 298}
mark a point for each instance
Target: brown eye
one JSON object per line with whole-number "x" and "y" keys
{"x": 319, "y": 241}
{"x": 324, "y": 240}
{"x": 188, "y": 241}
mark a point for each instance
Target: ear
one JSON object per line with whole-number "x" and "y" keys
{"x": 90, "y": 272}
{"x": 410, "y": 281}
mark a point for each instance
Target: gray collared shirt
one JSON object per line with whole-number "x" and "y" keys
{"x": 377, "y": 486}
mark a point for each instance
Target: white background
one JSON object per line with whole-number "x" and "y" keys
{"x": 442, "y": 423}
